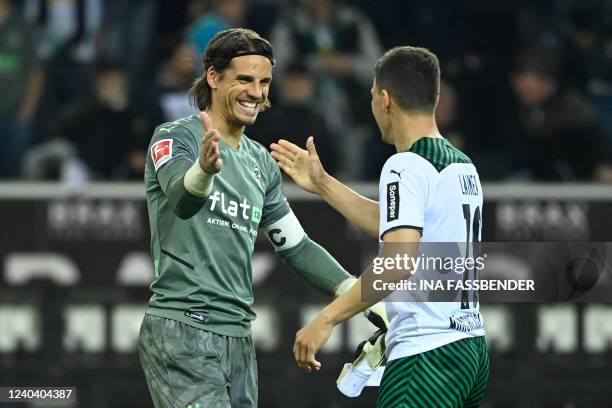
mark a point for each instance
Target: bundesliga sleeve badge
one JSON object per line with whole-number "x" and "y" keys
{"x": 161, "y": 152}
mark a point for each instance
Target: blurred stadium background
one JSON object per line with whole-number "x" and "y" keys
{"x": 527, "y": 93}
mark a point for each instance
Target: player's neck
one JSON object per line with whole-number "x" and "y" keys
{"x": 229, "y": 133}
{"x": 407, "y": 129}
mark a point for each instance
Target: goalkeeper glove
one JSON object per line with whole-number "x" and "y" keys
{"x": 376, "y": 314}
{"x": 366, "y": 368}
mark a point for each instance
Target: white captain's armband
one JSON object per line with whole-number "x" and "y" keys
{"x": 285, "y": 233}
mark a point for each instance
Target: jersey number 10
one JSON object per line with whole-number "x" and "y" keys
{"x": 471, "y": 226}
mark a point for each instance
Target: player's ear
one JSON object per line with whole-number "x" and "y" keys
{"x": 386, "y": 100}
{"x": 212, "y": 76}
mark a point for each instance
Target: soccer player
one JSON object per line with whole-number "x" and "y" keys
{"x": 429, "y": 192}
{"x": 209, "y": 189}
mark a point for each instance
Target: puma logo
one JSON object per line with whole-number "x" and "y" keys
{"x": 399, "y": 174}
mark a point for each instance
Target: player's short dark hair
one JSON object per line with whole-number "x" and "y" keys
{"x": 223, "y": 47}
{"x": 411, "y": 75}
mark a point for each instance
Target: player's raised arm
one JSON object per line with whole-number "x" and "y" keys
{"x": 305, "y": 168}
{"x": 308, "y": 259}
{"x": 184, "y": 174}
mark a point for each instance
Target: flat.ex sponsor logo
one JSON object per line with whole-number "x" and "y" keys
{"x": 256, "y": 215}
{"x": 235, "y": 209}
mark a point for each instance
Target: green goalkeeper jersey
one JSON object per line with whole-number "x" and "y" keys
{"x": 203, "y": 261}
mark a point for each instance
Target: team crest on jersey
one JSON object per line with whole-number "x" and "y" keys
{"x": 257, "y": 172}
{"x": 161, "y": 152}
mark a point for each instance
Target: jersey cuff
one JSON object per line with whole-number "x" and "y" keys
{"x": 197, "y": 181}
{"x": 420, "y": 229}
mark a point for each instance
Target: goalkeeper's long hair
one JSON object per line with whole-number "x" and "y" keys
{"x": 224, "y": 46}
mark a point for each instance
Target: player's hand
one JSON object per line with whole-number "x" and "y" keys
{"x": 210, "y": 155}
{"x": 303, "y": 166}
{"x": 309, "y": 340}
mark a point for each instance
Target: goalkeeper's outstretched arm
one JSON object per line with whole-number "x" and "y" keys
{"x": 307, "y": 258}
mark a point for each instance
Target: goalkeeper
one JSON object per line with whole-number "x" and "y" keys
{"x": 209, "y": 189}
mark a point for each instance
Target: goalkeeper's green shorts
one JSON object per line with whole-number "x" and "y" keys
{"x": 454, "y": 375}
{"x": 187, "y": 367}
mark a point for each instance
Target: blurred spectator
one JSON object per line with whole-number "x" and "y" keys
{"x": 454, "y": 119}
{"x": 340, "y": 46}
{"x": 66, "y": 32}
{"x": 560, "y": 136}
{"x": 127, "y": 35}
{"x": 66, "y": 28}
{"x": 174, "y": 81}
{"x": 295, "y": 117}
{"x": 109, "y": 132}
{"x": 447, "y": 115}
{"x": 21, "y": 81}
{"x": 224, "y": 14}
{"x": 586, "y": 28}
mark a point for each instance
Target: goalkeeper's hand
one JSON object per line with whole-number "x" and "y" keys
{"x": 210, "y": 153}
{"x": 369, "y": 357}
